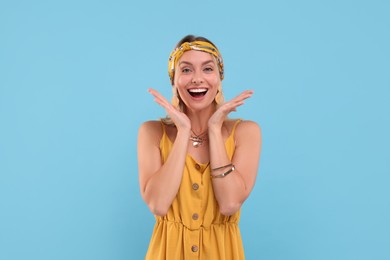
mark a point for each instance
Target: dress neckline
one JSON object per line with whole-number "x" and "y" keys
{"x": 203, "y": 165}
{"x": 231, "y": 135}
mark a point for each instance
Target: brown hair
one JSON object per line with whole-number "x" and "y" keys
{"x": 193, "y": 38}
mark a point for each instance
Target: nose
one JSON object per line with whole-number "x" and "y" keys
{"x": 197, "y": 79}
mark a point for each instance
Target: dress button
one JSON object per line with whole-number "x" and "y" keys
{"x": 194, "y": 248}
{"x": 197, "y": 166}
{"x": 195, "y": 186}
{"x": 195, "y": 216}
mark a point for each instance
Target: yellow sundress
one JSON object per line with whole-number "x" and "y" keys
{"x": 193, "y": 227}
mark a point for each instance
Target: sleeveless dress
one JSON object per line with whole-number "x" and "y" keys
{"x": 193, "y": 227}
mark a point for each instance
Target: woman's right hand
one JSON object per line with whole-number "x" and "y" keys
{"x": 179, "y": 118}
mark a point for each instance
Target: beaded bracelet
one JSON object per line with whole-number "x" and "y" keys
{"x": 223, "y": 174}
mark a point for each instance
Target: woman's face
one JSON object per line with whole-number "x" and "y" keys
{"x": 197, "y": 79}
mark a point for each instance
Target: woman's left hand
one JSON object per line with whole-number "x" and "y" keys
{"x": 217, "y": 119}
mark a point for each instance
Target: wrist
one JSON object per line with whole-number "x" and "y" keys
{"x": 215, "y": 133}
{"x": 184, "y": 132}
{"x": 214, "y": 129}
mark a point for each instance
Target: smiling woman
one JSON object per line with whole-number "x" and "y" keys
{"x": 196, "y": 167}
{"x": 197, "y": 79}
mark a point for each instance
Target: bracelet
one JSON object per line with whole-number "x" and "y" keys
{"x": 222, "y": 167}
{"x": 223, "y": 174}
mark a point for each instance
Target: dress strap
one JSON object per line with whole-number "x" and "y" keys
{"x": 235, "y": 125}
{"x": 163, "y": 127}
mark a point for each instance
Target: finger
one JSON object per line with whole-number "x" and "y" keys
{"x": 244, "y": 95}
{"x": 161, "y": 103}
{"x": 160, "y": 99}
{"x": 156, "y": 94}
{"x": 240, "y": 98}
{"x": 234, "y": 106}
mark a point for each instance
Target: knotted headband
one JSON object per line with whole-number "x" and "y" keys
{"x": 197, "y": 46}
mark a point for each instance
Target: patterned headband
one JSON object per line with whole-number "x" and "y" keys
{"x": 197, "y": 46}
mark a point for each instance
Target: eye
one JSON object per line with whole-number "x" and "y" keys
{"x": 208, "y": 69}
{"x": 185, "y": 70}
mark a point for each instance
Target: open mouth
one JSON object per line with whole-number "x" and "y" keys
{"x": 197, "y": 92}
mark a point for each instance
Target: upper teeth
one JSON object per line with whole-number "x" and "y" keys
{"x": 197, "y": 90}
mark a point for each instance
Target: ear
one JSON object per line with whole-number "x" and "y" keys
{"x": 175, "y": 97}
{"x": 219, "y": 99}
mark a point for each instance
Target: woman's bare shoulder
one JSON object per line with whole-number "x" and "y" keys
{"x": 152, "y": 125}
{"x": 155, "y": 129}
{"x": 248, "y": 128}
{"x": 248, "y": 124}
{"x": 242, "y": 125}
{"x": 150, "y": 130}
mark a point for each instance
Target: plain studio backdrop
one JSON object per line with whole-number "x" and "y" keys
{"x": 73, "y": 93}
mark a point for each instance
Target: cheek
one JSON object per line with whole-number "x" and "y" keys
{"x": 180, "y": 84}
{"x": 214, "y": 81}
{"x": 213, "y": 78}
{"x": 182, "y": 80}
{"x": 215, "y": 86}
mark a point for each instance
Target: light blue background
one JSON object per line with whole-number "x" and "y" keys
{"x": 73, "y": 80}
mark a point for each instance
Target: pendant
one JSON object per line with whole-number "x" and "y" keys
{"x": 196, "y": 141}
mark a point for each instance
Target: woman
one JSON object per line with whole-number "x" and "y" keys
{"x": 197, "y": 167}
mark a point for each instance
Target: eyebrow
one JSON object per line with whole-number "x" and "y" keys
{"x": 189, "y": 63}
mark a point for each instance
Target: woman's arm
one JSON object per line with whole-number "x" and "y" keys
{"x": 232, "y": 190}
{"x": 160, "y": 182}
